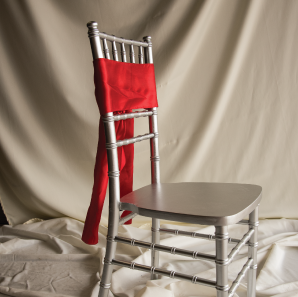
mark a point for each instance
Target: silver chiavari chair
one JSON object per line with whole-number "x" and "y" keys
{"x": 215, "y": 204}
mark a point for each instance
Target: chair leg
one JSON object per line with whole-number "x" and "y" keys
{"x": 155, "y": 239}
{"x": 221, "y": 245}
{"x": 252, "y": 253}
{"x": 111, "y": 246}
{"x": 105, "y": 282}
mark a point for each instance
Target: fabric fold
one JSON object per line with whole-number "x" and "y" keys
{"x": 119, "y": 88}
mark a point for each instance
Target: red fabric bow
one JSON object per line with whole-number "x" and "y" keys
{"x": 119, "y": 88}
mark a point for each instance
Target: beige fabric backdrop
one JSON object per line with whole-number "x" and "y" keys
{"x": 227, "y": 87}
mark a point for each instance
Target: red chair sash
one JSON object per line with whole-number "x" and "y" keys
{"x": 119, "y": 88}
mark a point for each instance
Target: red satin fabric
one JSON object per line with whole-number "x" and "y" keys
{"x": 119, "y": 88}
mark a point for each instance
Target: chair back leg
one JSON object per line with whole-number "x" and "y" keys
{"x": 252, "y": 253}
{"x": 222, "y": 261}
{"x": 114, "y": 201}
{"x": 105, "y": 282}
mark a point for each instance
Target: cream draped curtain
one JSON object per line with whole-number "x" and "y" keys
{"x": 226, "y": 75}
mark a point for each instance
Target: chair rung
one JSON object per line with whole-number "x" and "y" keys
{"x": 194, "y": 234}
{"x": 134, "y": 139}
{"x": 240, "y": 244}
{"x": 239, "y": 277}
{"x": 132, "y": 115}
{"x": 164, "y": 248}
{"x": 126, "y": 218}
{"x": 170, "y": 273}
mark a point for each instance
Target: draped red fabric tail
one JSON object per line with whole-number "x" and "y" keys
{"x": 119, "y": 88}
{"x": 124, "y": 130}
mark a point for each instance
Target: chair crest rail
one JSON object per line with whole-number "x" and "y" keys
{"x": 93, "y": 32}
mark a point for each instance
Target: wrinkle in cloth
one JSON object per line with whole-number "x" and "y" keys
{"x": 49, "y": 259}
{"x": 119, "y": 88}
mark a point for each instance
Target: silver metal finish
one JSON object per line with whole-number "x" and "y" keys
{"x": 243, "y": 222}
{"x": 141, "y": 55}
{"x": 131, "y": 115}
{"x": 114, "y": 201}
{"x": 197, "y": 203}
{"x": 240, "y": 244}
{"x": 109, "y": 37}
{"x": 132, "y": 140}
{"x": 169, "y": 273}
{"x": 105, "y": 49}
{"x": 148, "y": 51}
{"x": 123, "y": 52}
{"x": 166, "y": 249}
{"x": 221, "y": 247}
{"x": 201, "y": 203}
{"x": 252, "y": 253}
{"x": 94, "y": 40}
{"x": 239, "y": 277}
{"x": 114, "y": 184}
{"x": 154, "y": 152}
{"x": 132, "y": 54}
{"x": 195, "y": 235}
{"x": 126, "y": 218}
{"x": 114, "y": 50}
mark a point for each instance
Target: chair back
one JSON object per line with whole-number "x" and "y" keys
{"x": 100, "y": 49}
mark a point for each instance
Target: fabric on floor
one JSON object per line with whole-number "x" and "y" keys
{"x": 49, "y": 259}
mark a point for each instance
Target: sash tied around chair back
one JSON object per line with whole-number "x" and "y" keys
{"x": 119, "y": 88}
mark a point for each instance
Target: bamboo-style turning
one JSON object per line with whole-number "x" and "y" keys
{"x": 141, "y": 55}
{"x": 160, "y": 206}
{"x": 114, "y": 50}
{"x": 105, "y": 49}
{"x": 194, "y": 234}
{"x": 240, "y": 244}
{"x": 131, "y": 115}
{"x": 132, "y": 54}
{"x": 166, "y": 249}
{"x": 132, "y": 140}
{"x": 123, "y": 52}
{"x": 239, "y": 277}
{"x": 169, "y": 273}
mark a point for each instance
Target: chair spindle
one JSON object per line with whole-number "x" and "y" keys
{"x": 132, "y": 54}
{"x": 114, "y": 50}
{"x": 141, "y": 55}
{"x": 123, "y": 53}
{"x": 105, "y": 49}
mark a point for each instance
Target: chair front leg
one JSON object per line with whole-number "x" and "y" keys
{"x": 221, "y": 245}
{"x": 252, "y": 253}
{"x": 155, "y": 239}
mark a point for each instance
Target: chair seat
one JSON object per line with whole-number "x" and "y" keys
{"x": 217, "y": 204}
